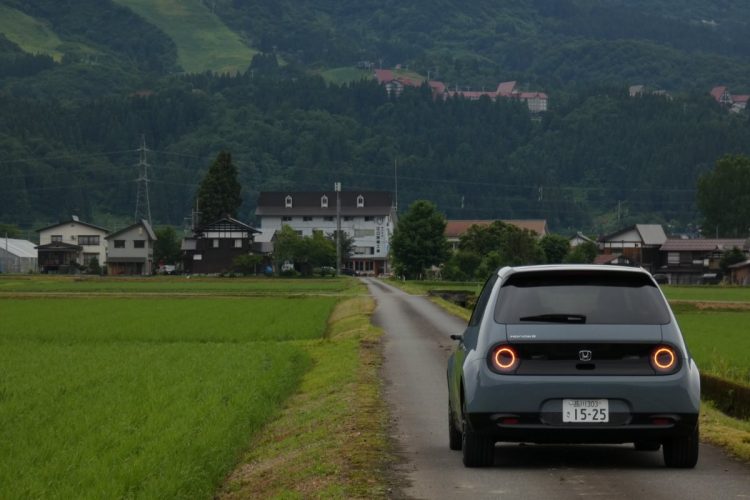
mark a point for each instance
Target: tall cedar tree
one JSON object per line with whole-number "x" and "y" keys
{"x": 419, "y": 240}
{"x": 724, "y": 197}
{"x": 219, "y": 192}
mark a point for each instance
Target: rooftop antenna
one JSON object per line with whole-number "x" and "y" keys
{"x": 142, "y": 203}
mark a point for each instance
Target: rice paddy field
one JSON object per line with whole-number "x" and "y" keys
{"x": 146, "y": 388}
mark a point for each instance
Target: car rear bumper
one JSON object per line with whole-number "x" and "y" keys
{"x": 531, "y": 427}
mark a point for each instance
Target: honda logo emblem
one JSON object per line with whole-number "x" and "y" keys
{"x": 584, "y": 355}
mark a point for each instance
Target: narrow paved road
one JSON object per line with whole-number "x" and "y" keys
{"x": 416, "y": 349}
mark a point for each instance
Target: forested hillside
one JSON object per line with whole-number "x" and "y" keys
{"x": 78, "y": 92}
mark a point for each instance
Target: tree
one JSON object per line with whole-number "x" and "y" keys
{"x": 499, "y": 244}
{"x": 724, "y": 197}
{"x": 733, "y": 256}
{"x": 166, "y": 246}
{"x": 10, "y": 231}
{"x": 556, "y": 247}
{"x": 585, "y": 253}
{"x": 246, "y": 264}
{"x": 419, "y": 241}
{"x": 219, "y": 192}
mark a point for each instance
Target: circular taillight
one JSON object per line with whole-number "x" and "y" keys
{"x": 664, "y": 359}
{"x": 504, "y": 359}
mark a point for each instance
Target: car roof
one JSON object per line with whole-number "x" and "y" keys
{"x": 605, "y": 268}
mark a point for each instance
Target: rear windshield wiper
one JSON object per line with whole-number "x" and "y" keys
{"x": 556, "y": 318}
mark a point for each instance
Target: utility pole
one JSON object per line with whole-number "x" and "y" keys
{"x": 337, "y": 188}
{"x": 142, "y": 203}
{"x": 395, "y": 178}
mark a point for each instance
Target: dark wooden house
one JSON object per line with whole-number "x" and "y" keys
{"x": 213, "y": 247}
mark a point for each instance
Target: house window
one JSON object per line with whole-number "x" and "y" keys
{"x": 360, "y": 201}
{"x": 369, "y": 218}
{"x": 238, "y": 243}
{"x": 197, "y": 256}
{"x": 673, "y": 258}
{"x": 90, "y": 257}
{"x": 307, "y": 219}
{"x": 286, "y": 219}
{"x": 324, "y": 201}
{"x": 328, "y": 219}
{"x": 348, "y": 218}
{"x": 56, "y": 237}
{"x": 288, "y": 202}
{"x": 119, "y": 243}
{"x": 88, "y": 240}
{"x": 215, "y": 243}
{"x": 139, "y": 243}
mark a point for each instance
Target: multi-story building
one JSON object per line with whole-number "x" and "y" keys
{"x": 131, "y": 250}
{"x": 212, "y": 247}
{"x": 71, "y": 242}
{"x": 369, "y": 217}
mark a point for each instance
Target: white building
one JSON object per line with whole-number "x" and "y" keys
{"x": 17, "y": 256}
{"x": 369, "y": 217}
{"x": 71, "y": 242}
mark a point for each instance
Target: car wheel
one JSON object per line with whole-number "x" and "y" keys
{"x": 454, "y": 434}
{"x": 647, "y": 445}
{"x": 682, "y": 452}
{"x": 478, "y": 450}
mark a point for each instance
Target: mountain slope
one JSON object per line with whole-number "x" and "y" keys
{"x": 203, "y": 42}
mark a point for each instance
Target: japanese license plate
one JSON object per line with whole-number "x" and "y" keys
{"x": 590, "y": 411}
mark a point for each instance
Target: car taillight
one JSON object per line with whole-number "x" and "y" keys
{"x": 664, "y": 359}
{"x": 504, "y": 359}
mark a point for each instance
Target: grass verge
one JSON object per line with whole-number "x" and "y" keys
{"x": 331, "y": 440}
{"x": 729, "y": 433}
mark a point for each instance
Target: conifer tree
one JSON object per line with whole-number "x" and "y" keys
{"x": 219, "y": 192}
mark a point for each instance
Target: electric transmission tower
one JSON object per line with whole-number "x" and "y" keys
{"x": 142, "y": 203}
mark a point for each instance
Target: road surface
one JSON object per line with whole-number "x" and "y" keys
{"x": 417, "y": 345}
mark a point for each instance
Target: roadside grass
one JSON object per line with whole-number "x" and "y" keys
{"x": 32, "y": 35}
{"x": 177, "y": 285}
{"x": 114, "y": 420}
{"x": 165, "y": 319}
{"x": 331, "y": 439}
{"x": 203, "y": 42}
{"x": 422, "y": 287}
{"x": 729, "y": 433}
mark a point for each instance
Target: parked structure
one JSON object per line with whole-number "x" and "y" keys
{"x": 369, "y": 217}
{"x": 17, "y": 256}
{"x": 68, "y": 245}
{"x": 688, "y": 262}
{"x": 639, "y": 243}
{"x": 131, "y": 250}
{"x": 454, "y": 229}
{"x": 212, "y": 248}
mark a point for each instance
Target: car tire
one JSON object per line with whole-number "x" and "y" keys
{"x": 454, "y": 434}
{"x": 647, "y": 445}
{"x": 478, "y": 450}
{"x": 682, "y": 452}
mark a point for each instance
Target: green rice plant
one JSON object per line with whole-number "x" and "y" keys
{"x": 165, "y": 319}
{"x": 178, "y": 285}
{"x": 122, "y": 420}
{"x": 719, "y": 342}
{"x": 204, "y": 42}
{"x": 707, "y": 293}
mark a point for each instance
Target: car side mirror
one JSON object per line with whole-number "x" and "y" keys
{"x": 460, "y": 338}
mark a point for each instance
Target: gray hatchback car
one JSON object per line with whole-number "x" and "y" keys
{"x": 573, "y": 354}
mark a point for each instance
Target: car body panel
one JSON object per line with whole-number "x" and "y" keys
{"x": 644, "y": 407}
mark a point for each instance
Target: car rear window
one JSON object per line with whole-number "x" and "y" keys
{"x": 591, "y": 297}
